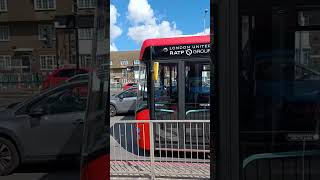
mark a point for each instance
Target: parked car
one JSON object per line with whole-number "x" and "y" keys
{"x": 123, "y": 102}
{"x": 129, "y": 85}
{"x": 48, "y": 126}
{"x": 61, "y": 75}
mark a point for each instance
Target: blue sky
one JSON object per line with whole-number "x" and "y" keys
{"x": 132, "y": 21}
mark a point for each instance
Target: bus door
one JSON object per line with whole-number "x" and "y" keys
{"x": 197, "y": 102}
{"x": 197, "y": 90}
{"x": 166, "y": 92}
{"x": 182, "y": 93}
{"x": 182, "y": 90}
{"x": 166, "y": 102}
{"x": 278, "y": 94}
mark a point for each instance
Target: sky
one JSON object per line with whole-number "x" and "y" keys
{"x": 133, "y": 21}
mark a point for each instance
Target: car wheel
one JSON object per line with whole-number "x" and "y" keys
{"x": 113, "y": 110}
{"x": 9, "y": 158}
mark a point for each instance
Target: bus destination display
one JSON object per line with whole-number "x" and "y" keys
{"x": 182, "y": 51}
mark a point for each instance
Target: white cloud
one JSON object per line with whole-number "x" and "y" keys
{"x": 144, "y": 24}
{"x": 113, "y": 47}
{"x": 140, "y": 11}
{"x": 142, "y": 32}
{"x": 115, "y": 30}
{"x": 205, "y": 32}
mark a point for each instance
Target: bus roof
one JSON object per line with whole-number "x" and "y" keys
{"x": 173, "y": 41}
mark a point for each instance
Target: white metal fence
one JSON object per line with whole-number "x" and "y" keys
{"x": 160, "y": 149}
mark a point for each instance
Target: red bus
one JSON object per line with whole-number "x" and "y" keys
{"x": 95, "y": 151}
{"x": 174, "y": 83}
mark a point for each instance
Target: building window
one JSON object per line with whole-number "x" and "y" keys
{"x": 85, "y": 61}
{"x": 86, "y": 3}
{"x": 110, "y": 63}
{"x": 48, "y": 62}
{"x": 45, "y": 4}
{"x": 124, "y": 72}
{"x": 3, "y": 5}
{"x": 46, "y": 30}
{"x": 136, "y": 62}
{"x": 86, "y": 34}
{"x": 4, "y": 33}
{"x": 5, "y": 62}
{"x": 124, "y": 62}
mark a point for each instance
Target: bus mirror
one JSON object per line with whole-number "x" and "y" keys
{"x": 155, "y": 71}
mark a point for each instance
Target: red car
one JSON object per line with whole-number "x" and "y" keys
{"x": 61, "y": 75}
{"x": 129, "y": 85}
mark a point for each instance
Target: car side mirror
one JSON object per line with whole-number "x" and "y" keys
{"x": 38, "y": 112}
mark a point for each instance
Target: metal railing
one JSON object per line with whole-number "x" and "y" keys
{"x": 20, "y": 81}
{"x": 282, "y": 165}
{"x": 160, "y": 149}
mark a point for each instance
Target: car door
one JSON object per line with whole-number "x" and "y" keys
{"x": 132, "y": 99}
{"x": 55, "y": 123}
{"x": 127, "y": 101}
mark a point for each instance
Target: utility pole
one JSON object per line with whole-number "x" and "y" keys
{"x": 76, "y": 28}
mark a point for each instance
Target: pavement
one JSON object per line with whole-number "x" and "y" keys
{"x": 46, "y": 171}
{"x": 128, "y": 159}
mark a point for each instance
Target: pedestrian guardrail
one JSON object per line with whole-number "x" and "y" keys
{"x": 115, "y": 86}
{"x": 160, "y": 148}
{"x": 15, "y": 81}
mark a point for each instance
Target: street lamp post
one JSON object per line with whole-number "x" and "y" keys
{"x": 204, "y": 19}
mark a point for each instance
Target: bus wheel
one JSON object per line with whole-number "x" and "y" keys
{"x": 9, "y": 158}
{"x": 113, "y": 110}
